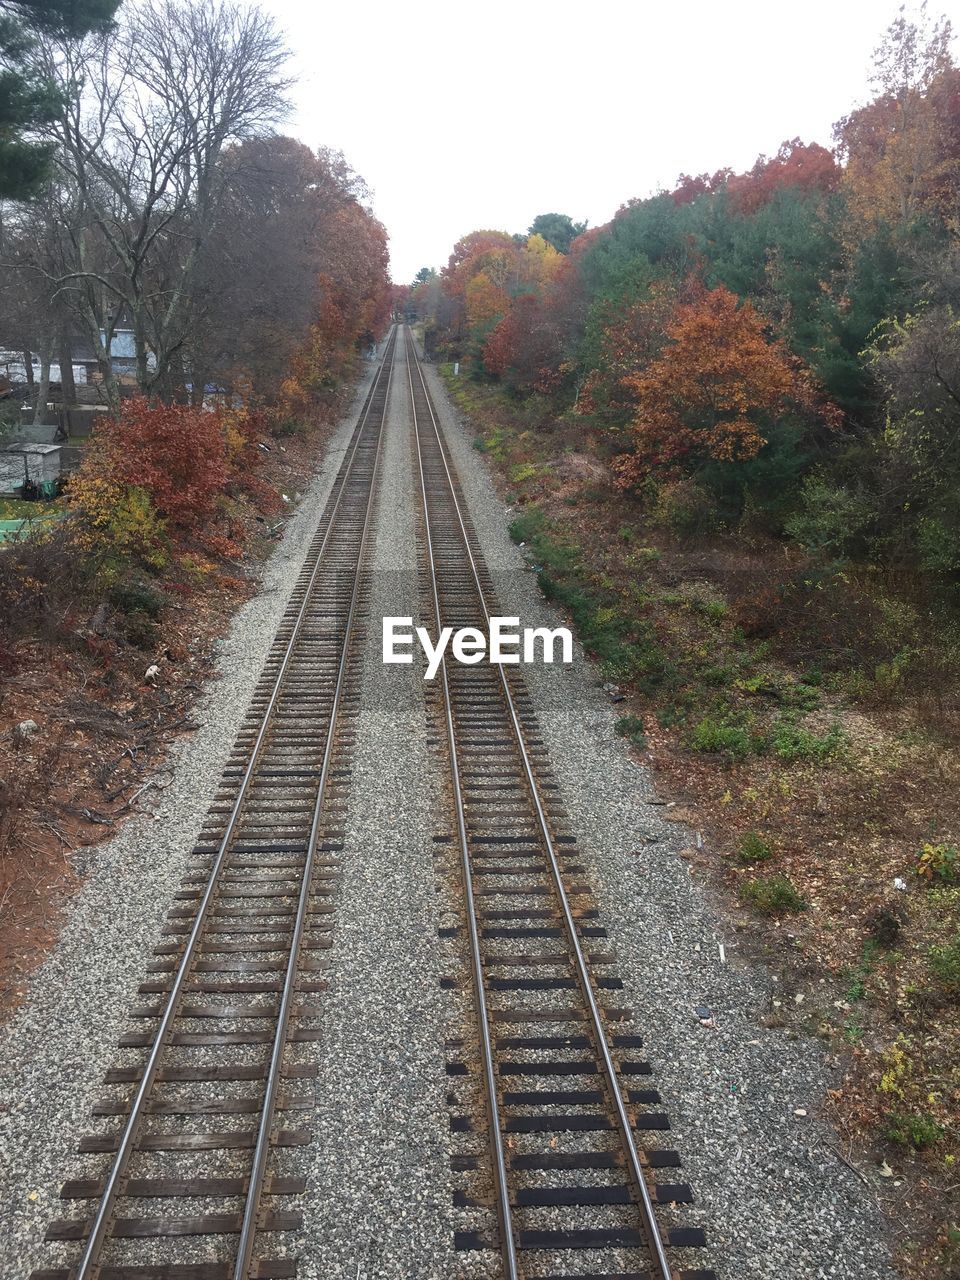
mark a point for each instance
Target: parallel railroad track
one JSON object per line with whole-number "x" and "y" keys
{"x": 554, "y": 1107}
{"x": 208, "y": 1096}
{"x": 549, "y": 1096}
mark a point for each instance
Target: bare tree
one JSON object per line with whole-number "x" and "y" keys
{"x": 150, "y": 109}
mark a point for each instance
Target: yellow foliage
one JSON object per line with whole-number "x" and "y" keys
{"x": 899, "y": 1067}
{"x": 116, "y": 524}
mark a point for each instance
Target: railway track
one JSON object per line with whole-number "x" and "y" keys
{"x": 206, "y": 1105}
{"x": 557, "y": 1132}
{"x": 561, "y": 1167}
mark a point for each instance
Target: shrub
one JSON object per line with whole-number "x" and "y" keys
{"x": 118, "y": 530}
{"x": 945, "y": 964}
{"x": 753, "y": 848}
{"x": 136, "y": 597}
{"x": 176, "y": 454}
{"x": 832, "y": 520}
{"x": 909, "y": 1129}
{"x": 939, "y": 862}
{"x": 792, "y": 742}
{"x": 772, "y": 895}
{"x": 632, "y": 728}
{"x": 713, "y": 736}
{"x": 685, "y": 508}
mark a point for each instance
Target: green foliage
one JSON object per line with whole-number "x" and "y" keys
{"x": 632, "y": 728}
{"x": 945, "y": 964}
{"x": 530, "y": 522}
{"x": 912, "y": 1129}
{"x": 939, "y": 863}
{"x": 684, "y": 507}
{"x": 791, "y": 742}
{"x": 523, "y": 471}
{"x": 772, "y": 895}
{"x": 857, "y": 976}
{"x": 832, "y": 520}
{"x": 27, "y": 99}
{"x": 136, "y": 596}
{"x": 557, "y": 229}
{"x": 753, "y": 848}
{"x": 711, "y": 735}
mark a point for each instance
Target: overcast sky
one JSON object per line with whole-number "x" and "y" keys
{"x": 463, "y": 116}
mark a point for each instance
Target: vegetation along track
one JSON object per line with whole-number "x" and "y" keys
{"x": 551, "y": 1074}
{"x": 230, "y": 1010}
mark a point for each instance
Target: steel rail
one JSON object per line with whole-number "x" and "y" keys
{"x": 85, "y": 1269}
{"x": 635, "y": 1165}
{"x": 508, "y": 1246}
{"x": 258, "y": 1169}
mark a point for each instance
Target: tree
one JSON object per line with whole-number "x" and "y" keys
{"x": 713, "y": 390}
{"x": 137, "y": 163}
{"x": 917, "y": 363}
{"x": 558, "y": 229}
{"x": 28, "y": 100}
{"x": 524, "y": 350}
{"x": 899, "y": 148}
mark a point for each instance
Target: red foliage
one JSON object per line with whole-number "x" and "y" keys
{"x": 525, "y": 348}
{"x": 798, "y": 165}
{"x": 177, "y": 453}
{"x": 690, "y": 188}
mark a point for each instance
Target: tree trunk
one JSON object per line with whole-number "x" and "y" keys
{"x": 28, "y": 368}
{"x": 43, "y": 391}
{"x": 65, "y": 347}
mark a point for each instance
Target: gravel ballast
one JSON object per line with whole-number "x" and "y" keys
{"x": 380, "y": 1207}
{"x": 773, "y": 1196}
{"x": 54, "y": 1052}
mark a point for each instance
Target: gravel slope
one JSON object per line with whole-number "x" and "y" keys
{"x": 55, "y": 1051}
{"x": 774, "y": 1199}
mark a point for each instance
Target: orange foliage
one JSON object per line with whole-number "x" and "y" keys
{"x": 485, "y": 301}
{"x": 711, "y": 390}
{"x": 798, "y": 165}
{"x": 903, "y": 153}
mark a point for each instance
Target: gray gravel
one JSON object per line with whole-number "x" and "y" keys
{"x": 382, "y": 1206}
{"x": 774, "y": 1199}
{"x": 54, "y": 1053}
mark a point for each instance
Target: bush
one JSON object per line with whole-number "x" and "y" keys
{"x": 945, "y": 965}
{"x": 908, "y": 1129}
{"x": 939, "y": 862}
{"x": 753, "y": 848}
{"x": 792, "y": 742}
{"x": 832, "y": 521}
{"x": 632, "y": 727}
{"x": 772, "y": 895}
{"x": 685, "y": 508}
{"x": 43, "y": 588}
{"x": 714, "y": 736}
{"x": 175, "y": 454}
{"x": 118, "y": 530}
{"x": 137, "y": 597}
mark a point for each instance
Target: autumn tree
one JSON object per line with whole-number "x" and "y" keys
{"x": 901, "y": 150}
{"x": 557, "y": 229}
{"x": 713, "y": 391}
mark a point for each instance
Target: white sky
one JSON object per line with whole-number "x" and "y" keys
{"x": 464, "y": 116}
